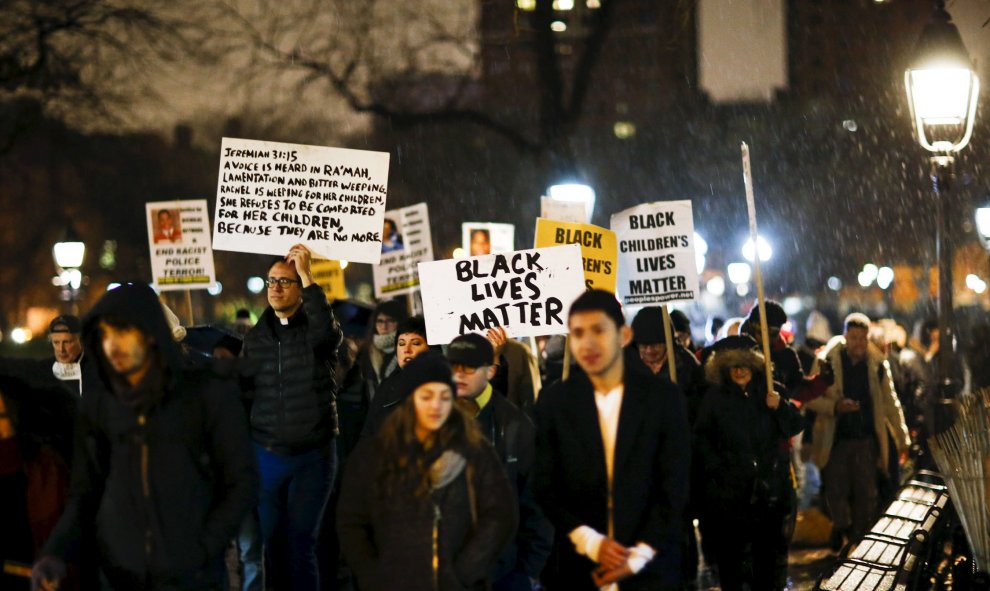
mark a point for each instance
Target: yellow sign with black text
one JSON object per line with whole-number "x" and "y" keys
{"x": 330, "y": 277}
{"x": 599, "y": 249}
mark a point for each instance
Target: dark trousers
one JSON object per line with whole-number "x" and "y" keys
{"x": 748, "y": 541}
{"x": 850, "y": 479}
{"x": 294, "y": 493}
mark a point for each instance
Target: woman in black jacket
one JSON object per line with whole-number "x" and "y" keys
{"x": 742, "y": 467}
{"x": 425, "y": 503}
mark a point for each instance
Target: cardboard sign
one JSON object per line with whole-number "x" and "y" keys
{"x": 481, "y": 238}
{"x": 179, "y": 243}
{"x": 598, "y": 249}
{"x": 330, "y": 276}
{"x": 574, "y": 212}
{"x": 406, "y": 243}
{"x": 272, "y": 195}
{"x": 656, "y": 253}
{"x": 526, "y": 291}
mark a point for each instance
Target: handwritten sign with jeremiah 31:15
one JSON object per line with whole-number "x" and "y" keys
{"x": 272, "y": 195}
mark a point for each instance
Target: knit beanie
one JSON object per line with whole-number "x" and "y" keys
{"x": 424, "y": 369}
{"x": 775, "y": 314}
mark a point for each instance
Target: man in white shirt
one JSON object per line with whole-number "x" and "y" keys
{"x": 612, "y": 461}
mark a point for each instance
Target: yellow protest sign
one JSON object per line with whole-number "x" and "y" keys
{"x": 599, "y": 250}
{"x": 330, "y": 277}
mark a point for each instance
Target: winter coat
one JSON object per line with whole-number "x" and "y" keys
{"x": 165, "y": 483}
{"x": 887, "y": 415}
{"x": 740, "y": 444}
{"x": 513, "y": 435}
{"x": 690, "y": 378}
{"x": 398, "y": 542}
{"x": 386, "y": 399}
{"x": 649, "y": 482}
{"x": 293, "y": 408}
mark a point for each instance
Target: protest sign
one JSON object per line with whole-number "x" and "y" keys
{"x": 656, "y": 253}
{"x": 598, "y": 249}
{"x": 330, "y": 276}
{"x": 481, "y": 238}
{"x": 406, "y": 243}
{"x": 179, "y": 243}
{"x": 272, "y": 195}
{"x": 526, "y": 291}
{"x": 563, "y": 211}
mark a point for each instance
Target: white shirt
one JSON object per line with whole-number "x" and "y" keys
{"x": 586, "y": 540}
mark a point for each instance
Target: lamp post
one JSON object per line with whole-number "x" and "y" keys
{"x": 69, "y": 254}
{"x": 942, "y": 88}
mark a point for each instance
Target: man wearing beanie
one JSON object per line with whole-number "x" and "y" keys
{"x": 66, "y": 368}
{"x": 514, "y": 437}
{"x": 682, "y": 330}
{"x": 649, "y": 347}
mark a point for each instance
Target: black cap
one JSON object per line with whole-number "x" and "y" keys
{"x": 471, "y": 350}
{"x": 65, "y": 323}
{"x": 680, "y": 320}
{"x": 775, "y": 314}
{"x": 647, "y": 326}
{"x": 428, "y": 367}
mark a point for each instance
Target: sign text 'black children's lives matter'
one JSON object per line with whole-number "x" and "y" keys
{"x": 656, "y": 253}
{"x": 272, "y": 195}
{"x": 526, "y": 291}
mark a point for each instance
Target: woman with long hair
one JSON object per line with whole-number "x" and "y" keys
{"x": 425, "y": 503}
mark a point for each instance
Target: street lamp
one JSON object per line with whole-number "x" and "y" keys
{"x": 576, "y": 193}
{"x": 942, "y": 88}
{"x": 69, "y": 254}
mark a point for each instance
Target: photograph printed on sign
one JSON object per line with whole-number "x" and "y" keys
{"x": 391, "y": 236}
{"x": 167, "y": 225}
{"x": 481, "y": 238}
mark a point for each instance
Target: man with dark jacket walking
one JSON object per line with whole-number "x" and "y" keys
{"x": 293, "y": 349}
{"x": 163, "y": 471}
{"x": 513, "y": 435}
{"x": 612, "y": 458}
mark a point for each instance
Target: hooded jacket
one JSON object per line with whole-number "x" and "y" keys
{"x": 887, "y": 414}
{"x": 293, "y": 404}
{"x": 164, "y": 472}
{"x": 741, "y": 454}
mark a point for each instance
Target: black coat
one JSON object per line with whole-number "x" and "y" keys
{"x": 513, "y": 435}
{"x": 388, "y": 539}
{"x": 650, "y": 474}
{"x": 293, "y": 409}
{"x": 164, "y": 484}
{"x": 387, "y": 396}
{"x": 741, "y": 452}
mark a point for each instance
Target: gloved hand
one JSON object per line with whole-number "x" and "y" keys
{"x": 47, "y": 574}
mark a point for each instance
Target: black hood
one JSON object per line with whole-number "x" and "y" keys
{"x": 137, "y": 305}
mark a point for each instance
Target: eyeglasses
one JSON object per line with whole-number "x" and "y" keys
{"x": 282, "y": 282}
{"x": 385, "y": 321}
{"x": 464, "y": 369}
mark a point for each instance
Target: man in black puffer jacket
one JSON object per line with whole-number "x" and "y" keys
{"x": 293, "y": 351}
{"x": 163, "y": 470}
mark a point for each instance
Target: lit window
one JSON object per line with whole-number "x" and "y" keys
{"x": 526, "y": 4}
{"x": 594, "y": 3}
{"x": 624, "y": 129}
{"x": 558, "y": 26}
{"x": 563, "y": 4}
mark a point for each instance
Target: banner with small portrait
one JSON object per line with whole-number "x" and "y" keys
{"x": 272, "y": 195}
{"x": 406, "y": 242}
{"x": 527, "y": 291}
{"x": 656, "y": 253}
{"x": 481, "y": 238}
{"x": 598, "y": 249}
{"x": 179, "y": 243}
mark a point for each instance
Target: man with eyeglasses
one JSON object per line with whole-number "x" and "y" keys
{"x": 513, "y": 435}
{"x": 292, "y": 352}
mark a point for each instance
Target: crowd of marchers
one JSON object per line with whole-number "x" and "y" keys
{"x": 290, "y": 455}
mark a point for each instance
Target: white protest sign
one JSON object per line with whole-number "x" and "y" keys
{"x": 406, "y": 242}
{"x": 526, "y": 291}
{"x": 272, "y": 195}
{"x": 573, "y": 212}
{"x": 480, "y": 238}
{"x": 656, "y": 253}
{"x": 179, "y": 243}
